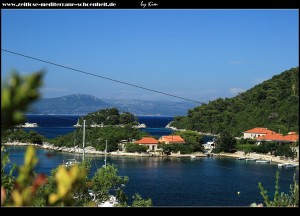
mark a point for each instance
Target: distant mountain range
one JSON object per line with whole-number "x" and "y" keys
{"x": 79, "y": 104}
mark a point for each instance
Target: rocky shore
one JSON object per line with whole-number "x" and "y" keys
{"x": 256, "y": 156}
{"x": 92, "y": 151}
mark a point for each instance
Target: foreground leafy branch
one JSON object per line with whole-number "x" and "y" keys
{"x": 66, "y": 186}
{"x": 282, "y": 200}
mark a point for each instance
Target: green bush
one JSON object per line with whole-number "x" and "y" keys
{"x": 132, "y": 147}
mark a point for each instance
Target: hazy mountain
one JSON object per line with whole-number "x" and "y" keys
{"x": 143, "y": 107}
{"x": 82, "y": 104}
{"x": 70, "y": 104}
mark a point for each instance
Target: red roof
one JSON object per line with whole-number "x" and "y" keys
{"x": 275, "y": 137}
{"x": 147, "y": 140}
{"x": 279, "y": 137}
{"x": 172, "y": 139}
{"x": 292, "y": 136}
{"x": 260, "y": 131}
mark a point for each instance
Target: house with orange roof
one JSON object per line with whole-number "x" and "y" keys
{"x": 292, "y": 136}
{"x": 148, "y": 141}
{"x": 275, "y": 137}
{"x": 256, "y": 132}
{"x": 172, "y": 139}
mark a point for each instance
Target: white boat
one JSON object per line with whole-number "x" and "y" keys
{"x": 71, "y": 162}
{"x": 250, "y": 159}
{"x": 193, "y": 157}
{"x": 281, "y": 165}
{"x": 289, "y": 165}
{"x": 111, "y": 202}
{"x": 28, "y": 125}
{"x": 241, "y": 158}
{"x": 263, "y": 161}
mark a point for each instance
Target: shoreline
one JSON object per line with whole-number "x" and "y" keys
{"x": 92, "y": 151}
{"x": 256, "y": 156}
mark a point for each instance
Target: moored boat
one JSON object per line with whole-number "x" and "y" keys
{"x": 289, "y": 165}
{"x": 250, "y": 159}
{"x": 263, "y": 161}
{"x": 70, "y": 162}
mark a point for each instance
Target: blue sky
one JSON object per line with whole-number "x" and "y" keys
{"x": 197, "y": 54}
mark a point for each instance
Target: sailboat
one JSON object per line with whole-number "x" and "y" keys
{"x": 71, "y": 162}
{"x": 105, "y": 154}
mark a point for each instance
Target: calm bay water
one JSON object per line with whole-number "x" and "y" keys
{"x": 52, "y": 126}
{"x": 169, "y": 181}
{"x": 181, "y": 181}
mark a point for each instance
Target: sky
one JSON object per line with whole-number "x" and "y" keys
{"x": 196, "y": 54}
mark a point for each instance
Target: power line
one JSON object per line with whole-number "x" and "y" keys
{"x": 99, "y": 76}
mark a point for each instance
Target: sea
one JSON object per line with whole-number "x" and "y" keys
{"x": 52, "y": 126}
{"x": 169, "y": 182}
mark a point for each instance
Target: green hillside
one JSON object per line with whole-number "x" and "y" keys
{"x": 273, "y": 104}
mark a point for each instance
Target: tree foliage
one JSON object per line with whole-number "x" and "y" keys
{"x": 108, "y": 117}
{"x": 273, "y": 104}
{"x": 20, "y": 135}
{"x": 138, "y": 201}
{"x": 17, "y": 93}
{"x": 273, "y": 148}
{"x": 105, "y": 180}
{"x": 225, "y": 143}
{"x": 96, "y": 137}
{"x": 67, "y": 186}
{"x": 133, "y": 147}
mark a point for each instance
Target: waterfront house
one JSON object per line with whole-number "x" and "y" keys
{"x": 172, "y": 139}
{"x": 208, "y": 146}
{"x": 256, "y": 132}
{"x": 148, "y": 141}
{"x": 291, "y": 137}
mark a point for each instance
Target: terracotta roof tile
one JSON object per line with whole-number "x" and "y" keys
{"x": 259, "y": 131}
{"x": 292, "y": 137}
{"x": 279, "y": 137}
{"x": 172, "y": 139}
{"x": 147, "y": 140}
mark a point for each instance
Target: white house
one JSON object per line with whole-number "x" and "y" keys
{"x": 148, "y": 141}
{"x": 256, "y": 132}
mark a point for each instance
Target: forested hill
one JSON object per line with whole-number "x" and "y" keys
{"x": 273, "y": 104}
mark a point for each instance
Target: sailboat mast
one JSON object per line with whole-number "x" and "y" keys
{"x": 83, "y": 139}
{"x": 105, "y": 153}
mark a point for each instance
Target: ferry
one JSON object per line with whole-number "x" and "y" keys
{"x": 28, "y": 125}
